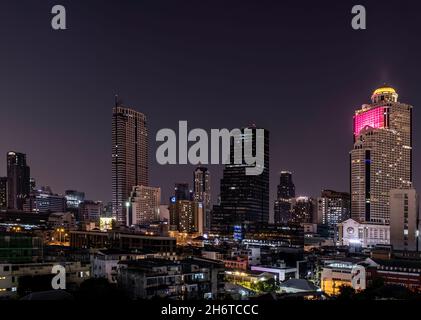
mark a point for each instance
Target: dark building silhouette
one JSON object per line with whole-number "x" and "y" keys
{"x": 286, "y": 187}
{"x": 286, "y": 192}
{"x": 3, "y": 192}
{"x": 182, "y": 192}
{"x": 304, "y": 210}
{"x": 18, "y": 180}
{"x": 243, "y": 198}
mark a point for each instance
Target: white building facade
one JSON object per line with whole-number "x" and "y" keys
{"x": 143, "y": 205}
{"x": 365, "y": 235}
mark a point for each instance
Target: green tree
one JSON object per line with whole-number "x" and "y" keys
{"x": 346, "y": 293}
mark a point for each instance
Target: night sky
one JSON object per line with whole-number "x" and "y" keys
{"x": 296, "y": 68}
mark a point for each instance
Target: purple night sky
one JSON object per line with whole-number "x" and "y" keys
{"x": 299, "y": 73}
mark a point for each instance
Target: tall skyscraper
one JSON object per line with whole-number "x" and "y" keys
{"x": 244, "y": 198}
{"x": 18, "y": 180}
{"x": 202, "y": 192}
{"x": 3, "y": 192}
{"x": 286, "y": 187}
{"x": 143, "y": 205}
{"x": 286, "y": 192}
{"x": 129, "y": 156}
{"x": 381, "y": 159}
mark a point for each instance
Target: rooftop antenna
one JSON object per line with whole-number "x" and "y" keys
{"x": 117, "y": 100}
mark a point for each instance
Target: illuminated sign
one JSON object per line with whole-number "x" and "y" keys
{"x": 374, "y": 118}
{"x": 173, "y": 199}
{"x": 106, "y": 223}
{"x": 238, "y": 232}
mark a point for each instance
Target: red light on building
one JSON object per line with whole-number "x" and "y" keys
{"x": 374, "y": 118}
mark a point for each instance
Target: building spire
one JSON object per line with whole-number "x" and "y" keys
{"x": 117, "y": 100}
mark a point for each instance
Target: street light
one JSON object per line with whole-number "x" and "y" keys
{"x": 60, "y": 231}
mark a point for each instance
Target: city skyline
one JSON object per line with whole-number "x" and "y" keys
{"x": 293, "y": 89}
{"x": 210, "y": 157}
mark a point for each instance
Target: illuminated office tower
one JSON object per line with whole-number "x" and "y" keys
{"x": 333, "y": 207}
{"x": 44, "y": 201}
{"x": 244, "y": 198}
{"x": 202, "y": 192}
{"x": 18, "y": 180}
{"x": 381, "y": 159}
{"x": 186, "y": 216}
{"x": 129, "y": 156}
{"x": 143, "y": 205}
{"x": 74, "y": 198}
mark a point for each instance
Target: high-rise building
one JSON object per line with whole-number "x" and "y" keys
{"x": 286, "y": 192}
{"x": 202, "y": 193}
{"x": 286, "y": 187}
{"x": 3, "y": 192}
{"x": 303, "y": 210}
{"x": 186, "y": 216}
{"x": 74, "y": 199}
{"x": 381, "y": 159}
{"x": 143, "y": 205}
{"x": 129, "y": 156}
{"x": 18, "y": 180}
{"x": 44, "y": 201}
{"x": 243, "y": 198}
{"x": 404, "y": 220}
{"x": 333, "y": 207}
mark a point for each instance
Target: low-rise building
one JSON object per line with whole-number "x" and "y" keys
{"x": 399, "y": 272}
{"x": 344, "y": 272}
{"x": 104, "y": 263}
{"x": 363, "y": 235}
{"x": 281, "y": 272}
{"x": 194, "y": 278}
{"x": 27, "y": 277}
{"x": 237, "y": 263}
{"x": 122, "y": 241}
